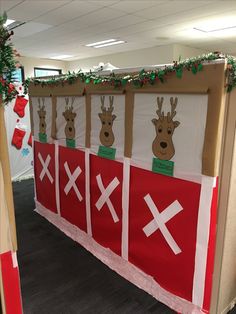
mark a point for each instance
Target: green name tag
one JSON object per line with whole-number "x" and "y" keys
{"x": 107, "y": 152}
{"x": 43, "y": 137}
{"x": 70, "y": 143}
{"x": 165, "y": 167}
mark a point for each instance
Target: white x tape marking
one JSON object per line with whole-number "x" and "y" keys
{"x": 45, "y": 167}
{"x": 105, "y": 194}
{"x": 72, "y": 178}
{"x": 160, "y": 220}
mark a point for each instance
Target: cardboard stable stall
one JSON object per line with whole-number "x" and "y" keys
{"x": 143, "y": 178}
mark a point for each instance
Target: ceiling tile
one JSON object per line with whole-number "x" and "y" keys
{"x": 29, "y": 10}
{"x": 7, "y": 5}
{"x": 68, "y": 12}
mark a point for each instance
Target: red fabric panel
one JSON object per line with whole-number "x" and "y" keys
{"x": 11, "y": 285}
{"x": 45, "y": 190}
{"x": 105, "y": 231}
{"x": 153, "y": 254}
{"x": 211, "y": 251}
{"x": 72, "y": 209}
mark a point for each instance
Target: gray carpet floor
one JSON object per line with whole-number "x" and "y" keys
{"x": 58, "y": 276}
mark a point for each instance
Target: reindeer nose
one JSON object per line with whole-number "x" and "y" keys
{"x": 43, "y": 125}
{"x": 70, "y": 129}
{"x": 106, "y": 134}
{"x": 163, "y": 144}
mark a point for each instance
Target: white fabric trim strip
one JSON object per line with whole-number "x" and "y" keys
{"x": 161, "y": 224}
{"x": 105, "y": 194}
{"x": 118, "y": 264}
{"x": 125, "y": 209}
{"x": 45, "y": 167}
{"x": 87, "y": 191}
{"x": 57, "y": 188}
{"x": 34, "y": 159}
{"x": 203, "y": 229}
{"x": 14, "y": 259}
{"x": 165, "y": 215}
{"x": 71, "y": 182}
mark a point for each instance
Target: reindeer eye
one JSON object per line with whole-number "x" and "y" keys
{"x": 103, "y": 122}
{"x": 169, "y": 131}
{"x": 72, "y": 120}
{"x": 109, "y": 123}
{"x": 68, "y": 119}
{"x": 160, "y": 129}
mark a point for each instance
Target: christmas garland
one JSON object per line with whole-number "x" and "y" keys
{"x": 7, "y": 63}
{"x": 143, "y": 77}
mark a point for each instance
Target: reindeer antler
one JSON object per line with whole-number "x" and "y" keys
{"x": 111, "y": 101}
{"x": 159, "y": 112}
{"x": 67, "y": 103}
{"x": 72, "y": 102}
{"x": 43, "y": 101}
{"x": 103, "y": 103}
{"x": 173, "y": 104}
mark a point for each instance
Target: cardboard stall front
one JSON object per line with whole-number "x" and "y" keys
{"x": 143, "y": 178}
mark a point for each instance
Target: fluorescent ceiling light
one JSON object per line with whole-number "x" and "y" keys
{"x": 62, "y": 57}
{"x": 215, "y": 30}
{"x": 110, "y": 44}
{"x": 8, "y": 22}
{"x": 216, "y": 25}
{"x": 101, "y": 42}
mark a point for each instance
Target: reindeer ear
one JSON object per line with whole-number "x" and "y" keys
{"x": 113, "y": 117}
{"x": 100, "y": 116}
{"x": 154, "y": 121}
{"x": 176, "y": 123}
{"x": 74, "y": 114}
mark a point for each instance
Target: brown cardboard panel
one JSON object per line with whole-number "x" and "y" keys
{"x": 4, "y": 158}
{"x": 5, "y": 232}
{"x": 88, "y": 121}
{"x": 224, "y": 284}
{"x": 54, "y": 116}
{"x": 39, "y": 91}
{"x": 103, "y": 89}
{"x": 129, "y": 113}
{"x": 31, "y": 116}
{"x": 75, "y": 89}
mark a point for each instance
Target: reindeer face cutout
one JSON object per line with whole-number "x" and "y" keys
{"x": 69, "y": 116}
{"x": 162, "y": 145}
{"x": 106, "y": 134}
{"x": 42, "y": 116}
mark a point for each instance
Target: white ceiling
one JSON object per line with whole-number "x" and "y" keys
{"x": 64, "y": 27}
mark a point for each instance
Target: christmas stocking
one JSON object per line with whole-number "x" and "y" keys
{"x": 18, "y": 135}
{"x": 19, "y": 106}
{"x": 30, "y": 140}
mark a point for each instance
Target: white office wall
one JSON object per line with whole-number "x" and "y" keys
{"x": 184, "y": 52}
{"x": 138, "y": 58}
{"x": 29, "y": 64}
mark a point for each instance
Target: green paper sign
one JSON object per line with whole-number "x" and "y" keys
{"x": 107, "y": 152}
{"x": 70, "y": 143}
{"x": 165, "y": 167}
{"x": 43, "y": 137}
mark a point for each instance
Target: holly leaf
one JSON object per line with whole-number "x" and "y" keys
{"x": 200, "y": 67}
{"x": 179, "y": 72}
{"x": 87, "y": 81}
{"x": 194, "y": 69}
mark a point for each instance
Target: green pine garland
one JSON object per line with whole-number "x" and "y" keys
{"x": 194, "y": 65}
{"x": 7, "y": 63}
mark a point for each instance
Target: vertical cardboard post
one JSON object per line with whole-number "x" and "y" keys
{"x": 4, "y": 157}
